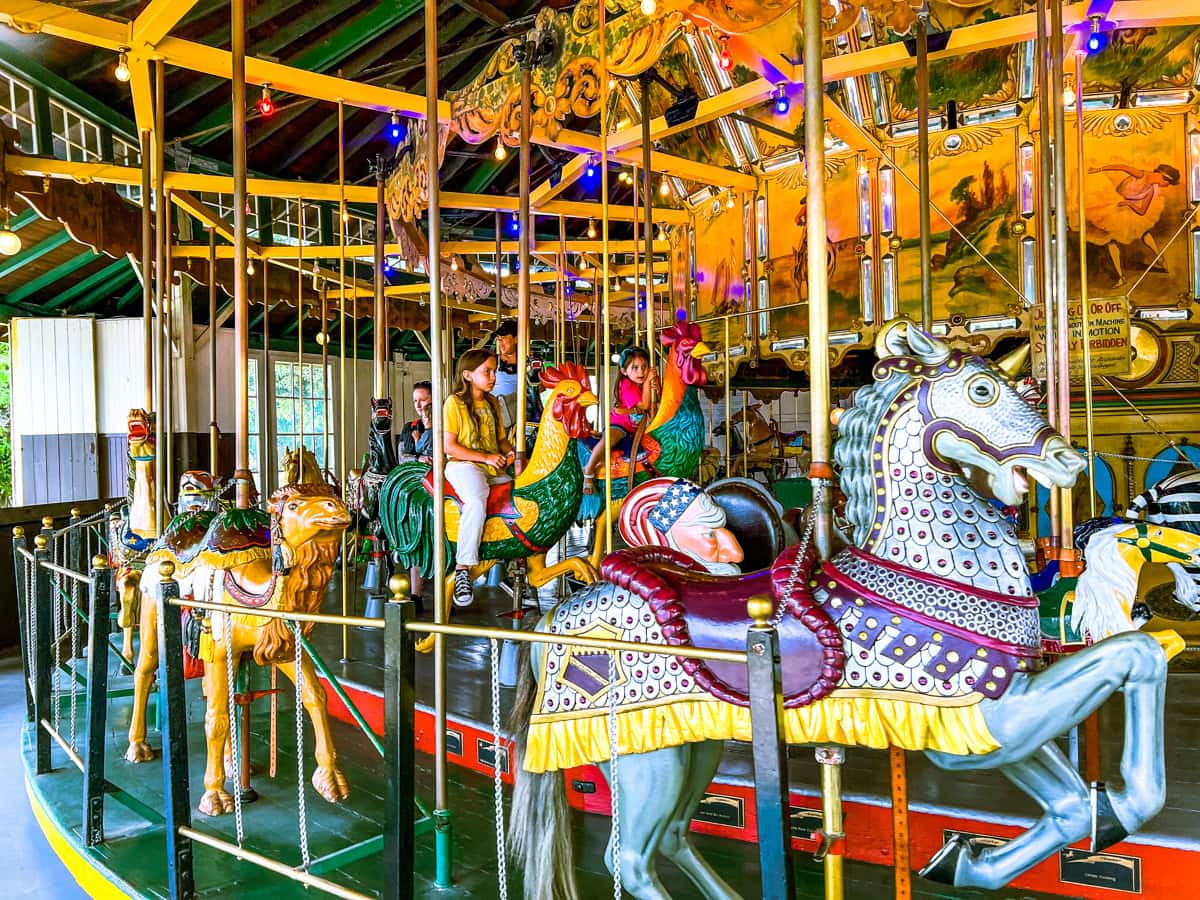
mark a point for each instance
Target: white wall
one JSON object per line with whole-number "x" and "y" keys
{"x": 120, "y": 373}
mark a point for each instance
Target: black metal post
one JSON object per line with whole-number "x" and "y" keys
{"x": 42, "y": 609}
{"x": 399, "y": 737}
{"x": 97, "y": 703}
{"x": 21, "y": 570}
{"x": 173, "y": 723}
{"x": 75, "y": 563}
{"x": 771, "y": 795}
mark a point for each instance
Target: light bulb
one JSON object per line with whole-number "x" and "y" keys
{"x": 664, "y": 189}
{"x": 501, "y": 151}
{"x": 649, "y": 7}
{"x": 121, "y": 71}
{"x": 454, "y": 264}
{"x": 395, "y": 131}
{"x": 1069, "y": 96}
{"x": 782, "y": 103}
{"x": 725, "y": 60}
{"x": 591, "y": 232}
{"x": 10, "y": 242}
{"x": 266, "y": 106}
{"x": 250, "y": 268}
{"x": 729, "y": 201}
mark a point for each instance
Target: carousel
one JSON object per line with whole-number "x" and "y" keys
{"x": 803, "y": 454}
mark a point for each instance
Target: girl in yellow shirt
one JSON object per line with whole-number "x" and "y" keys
{"x": 477, "y": 453}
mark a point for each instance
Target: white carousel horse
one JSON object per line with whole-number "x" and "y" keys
{"x": 924, "y": 636}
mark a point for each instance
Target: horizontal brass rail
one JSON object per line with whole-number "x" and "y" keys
{"x": 321, "y": 618}
{"x": 67, "y": 748}
{"x": 63, "y": 570}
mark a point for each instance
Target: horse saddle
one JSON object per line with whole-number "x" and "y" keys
{"x": 648, "y": 450}
{"x": 499, "y": 501}
{"x": 695, "y": 609}
{"x": 754, "y": 517}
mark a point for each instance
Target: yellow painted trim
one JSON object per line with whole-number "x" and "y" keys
{"x": 91, "y": 878}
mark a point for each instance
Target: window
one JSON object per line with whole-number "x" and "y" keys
{"x": 75, "y": 138}
{"x": 286, "y": 222}
{"x": 359, "y": 230}
{"x": 127, "y": 154}
{"x": 223, "y": 205}
{"x": 16, "y": 109}
{"x": 255, "y": 458}
{"x": 302, "y": 396}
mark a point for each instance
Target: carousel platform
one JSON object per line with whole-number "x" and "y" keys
{"x": 132, "y": 860}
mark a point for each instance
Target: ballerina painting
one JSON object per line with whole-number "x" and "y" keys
{"x": 1124, "y": 205}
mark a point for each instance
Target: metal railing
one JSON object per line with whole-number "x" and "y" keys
{"x": 49, "y": 581}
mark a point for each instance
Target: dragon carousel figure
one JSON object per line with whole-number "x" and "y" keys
{"x": 133, "y": 527}
{"x": 525, "y": 517}
{"x": 672, "y": 441}
{"x": 923, "y": 635}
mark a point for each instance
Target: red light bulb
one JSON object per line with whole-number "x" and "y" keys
{"x": 726, "y": 61}
{"x": 266, "y": 106}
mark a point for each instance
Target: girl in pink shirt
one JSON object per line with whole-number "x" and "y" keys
{"x": 633, "y": 399}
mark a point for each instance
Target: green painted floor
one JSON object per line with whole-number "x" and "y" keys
{"x": 135, "y": 848}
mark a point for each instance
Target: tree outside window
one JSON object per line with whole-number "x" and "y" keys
{"x": 302, "y": 396}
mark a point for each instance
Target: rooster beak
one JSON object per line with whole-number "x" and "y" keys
{"x": 587, "y": 398}
{"x": 701, "y": 350}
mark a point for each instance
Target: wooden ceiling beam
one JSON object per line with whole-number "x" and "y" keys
{"x": 485, "y": 10}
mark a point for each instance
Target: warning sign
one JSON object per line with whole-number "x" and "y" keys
{"x": 1108, "y": 330}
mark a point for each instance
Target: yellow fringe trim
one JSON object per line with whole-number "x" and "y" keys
{"x": 875, "y": 722}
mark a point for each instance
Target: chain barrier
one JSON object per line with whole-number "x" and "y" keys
{"x": 75, "y": 598}
{"x": 55, "y": 639}
{"x": 818, "y": 486}
{"x": 497, "y": 778}
{"x": 235, "y": 756}
{"x": 613, "y": 740}
{"x": 89, "y": 520}
{"x": 300, "y": 800}
{"x": 31, "y": 619}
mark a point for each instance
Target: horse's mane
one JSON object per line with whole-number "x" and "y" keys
{"x": 1107, "y": 589}
{"x": 852, "y": 453}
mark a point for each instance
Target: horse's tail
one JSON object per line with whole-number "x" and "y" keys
{"x": 539, "y": 829}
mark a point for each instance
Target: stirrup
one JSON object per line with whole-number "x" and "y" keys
{"x": 589, "y": 484}
{"x": 944, "y": 864}
{"x": 1106, "y": 827}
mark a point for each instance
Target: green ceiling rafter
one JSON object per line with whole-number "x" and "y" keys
{"x": 29, "y": 215}
{"x": 29, "y": 288}
{"x": 129, "y": 295}
{"x": 297, "y": 28}
{"x": 37, "y": 251}
{"x": 357, "y": 32}
{"x": 104, "y": 291}
{"x": 485, "y": 173}
{"x": 103, "y": 276}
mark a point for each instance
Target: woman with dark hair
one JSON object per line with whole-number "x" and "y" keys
{"x": 1124, "y": 205}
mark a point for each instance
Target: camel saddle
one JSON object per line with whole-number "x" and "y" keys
{"x": 695, "y": 609}
{"x": 499, "y": 501}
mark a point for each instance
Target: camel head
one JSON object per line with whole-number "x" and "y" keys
{"x": 570, "y": 396}
{"x": 304, "y": 513}
{"x": 141, "y": 435}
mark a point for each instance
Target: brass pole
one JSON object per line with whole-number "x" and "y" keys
{"x": 745, "y": 434}
{"x": 440, "y": 613}
{"x": 1066, "y": 523}
{"x": 343, "y": 462}
{"x": 241, "y": 307}
{"x": 637, "y": 265}
{"x": 1084, "y": 300}
{"x": 525, "y": 241}
{"x": 299, "y": 332}
{"x": 648, "y": 212}
{"x": 168, "y": 301}
{"x": 380, "y": 388}
{"x": 728, "y": 408}
{"x": 923, "y": 168}
{"x": 752, "y": 294}
{"x": 499, "y": 219}
{"x": 606, "y": 363}
{"x": 265, "y": 476}
{"x": 1041, "y": 69}
{"x": 818, "y": 295}
{"x": 214, "y": 434}
{"x": 147, "y": 273}
{"x": 560, "y": 349}
{"x": 160, "y": 301}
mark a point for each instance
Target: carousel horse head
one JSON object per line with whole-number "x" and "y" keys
{"x": 196, "y": 492}
{"x": 381, "y": 415}
{"x": 678, "y": 513}
{"x": 569, "y": 398}
{"x": 686, "y": 347}
{"x": 141, "y": 435}
{"x": 300, "y": 467}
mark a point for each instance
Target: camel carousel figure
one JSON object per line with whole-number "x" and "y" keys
{"x": 923, "y": 635}
{"x": 133, "y": 527}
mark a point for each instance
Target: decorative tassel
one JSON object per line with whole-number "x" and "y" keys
{"x": 207, "y": 647}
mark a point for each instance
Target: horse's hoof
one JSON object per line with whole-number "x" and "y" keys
{"x": 944, "y": 865}
{"x": 140, "y": 752}
{"x": 1106, "y": 827}
{"x": 216, "y": 803}
{"x": 330, "y": 783}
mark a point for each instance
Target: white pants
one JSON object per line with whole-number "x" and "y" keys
{"x": 471, "y": 483}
